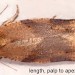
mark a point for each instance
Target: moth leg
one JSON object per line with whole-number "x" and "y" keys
{"x": 54, "y": 17}
{"x": 12, "y": 19}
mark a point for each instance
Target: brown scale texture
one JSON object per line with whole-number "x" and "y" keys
{"x": 38, "y": 40}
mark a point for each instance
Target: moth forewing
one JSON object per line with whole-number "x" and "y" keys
{"x": 38, "y": 40}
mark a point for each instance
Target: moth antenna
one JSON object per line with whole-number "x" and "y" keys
{"x": 12, "y": 19}
{"x": 3, "y": 9}
{"x": 8, "y": 65}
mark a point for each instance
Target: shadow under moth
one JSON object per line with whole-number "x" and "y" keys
{"x": 38, "y": 40}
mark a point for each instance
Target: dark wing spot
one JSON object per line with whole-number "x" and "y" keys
{"x": 60, "y": 21}
{"x": 29, "y": 23}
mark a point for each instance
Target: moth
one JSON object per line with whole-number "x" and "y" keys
{"x": 38, "y": 40}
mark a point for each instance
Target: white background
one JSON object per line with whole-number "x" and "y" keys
{"x": 29, "y": 9}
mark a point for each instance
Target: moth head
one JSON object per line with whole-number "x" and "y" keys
{"x": 3, "y": 41}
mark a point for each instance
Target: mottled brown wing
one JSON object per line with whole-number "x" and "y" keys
{"x": 38, "y": 40}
